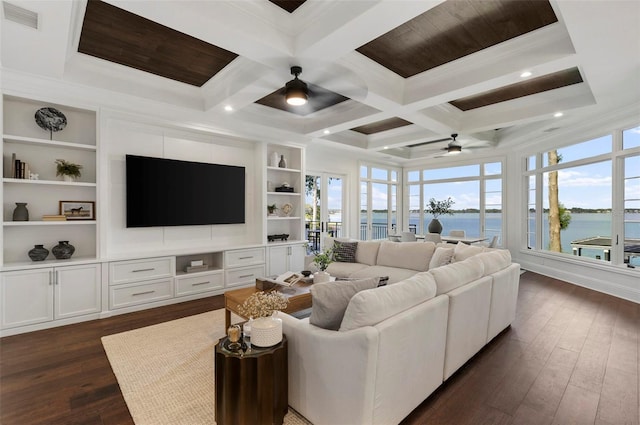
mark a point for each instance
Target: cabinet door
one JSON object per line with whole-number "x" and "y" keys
{"x": 77, "y": 290}
{"x": 26, "y": 297}
{"x": 296, "y": 257}
{"x": 278, "y": 260}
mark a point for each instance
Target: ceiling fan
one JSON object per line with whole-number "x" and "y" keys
{"x": 323, "y": 84}
{"x": 454, "y": 147}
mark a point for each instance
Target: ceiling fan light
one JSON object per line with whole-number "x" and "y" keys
{"x": 454, "y": 150}
{"x": 296, "y": 91}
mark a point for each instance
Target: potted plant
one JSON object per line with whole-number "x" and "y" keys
{"x": 68, "y": 170}
{"x": 272, "y": 209}
{"x": 436, "y": 209}
{"x": 322, "y": 261}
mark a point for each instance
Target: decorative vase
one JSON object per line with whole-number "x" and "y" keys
{"x": 21, "y": 213}
{"x": 68, "y": 178}
{"x": 283, "y": 162}
{"x": 266, "y": 331}
{"x": 435, "y": 226}
{"x": 38, "y": 253}
{"x": 275, "y": 157}
{"x": 321, "y": 276}
{"x": 63, "y": 251}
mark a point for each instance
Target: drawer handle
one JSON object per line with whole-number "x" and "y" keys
{"x": 200, "y": 283}
{"x": 143, "y": 293}
{"x": 143, "y": 270}
{"x": 245, "y": 258}
{"x": 246, "y": 275}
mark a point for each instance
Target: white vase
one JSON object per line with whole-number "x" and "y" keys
{"x": 321, "y": 276}
{"x": 274, "y": 159}
{"x": 266, "y": 331}
{"x": 68, "y": 178}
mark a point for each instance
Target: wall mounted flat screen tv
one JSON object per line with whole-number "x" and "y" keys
{"x": 168, "y": 192}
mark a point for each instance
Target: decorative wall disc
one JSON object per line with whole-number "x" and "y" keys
{"x": 50, "y": 119}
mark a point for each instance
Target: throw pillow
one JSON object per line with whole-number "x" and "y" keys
{"x": 345, "y": 252}
{"x": 464, "y": 251}
{"x": 441, "y": 257}
{"x": 330, "y": 300}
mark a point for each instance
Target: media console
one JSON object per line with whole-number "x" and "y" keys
{"x": 126, "y": 285}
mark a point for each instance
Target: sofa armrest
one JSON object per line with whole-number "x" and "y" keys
{"x": 331, "y": 373}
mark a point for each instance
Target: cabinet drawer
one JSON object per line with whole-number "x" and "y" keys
{"x": 243, "y": 257}
{"x": 243, "y": 276}
{"x": 135, "y": 270}
{"x": 202, "y": 282}
{"x": 133, "y": 294}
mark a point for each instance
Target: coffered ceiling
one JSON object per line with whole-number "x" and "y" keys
{"x": 383, "y": 75}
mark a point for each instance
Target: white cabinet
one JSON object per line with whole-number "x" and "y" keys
{"x": 288, "y": 218}
{"x": 23, "y": 140}
{"x": 243, "y": 266}
{"x": 41, "y": 295}
{"x": 283, "y": 258}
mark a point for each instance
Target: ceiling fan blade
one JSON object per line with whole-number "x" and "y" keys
{"x": 415, "y": 145}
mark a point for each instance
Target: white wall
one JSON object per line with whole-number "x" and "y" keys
{"x": 120, "y": 137}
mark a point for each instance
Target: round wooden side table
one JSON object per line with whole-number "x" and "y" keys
{"x": 251, "y": 388}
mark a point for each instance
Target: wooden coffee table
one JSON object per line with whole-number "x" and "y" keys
{"x": 298, "y": 295}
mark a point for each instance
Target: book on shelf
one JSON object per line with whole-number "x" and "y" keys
{"x": 19, "y": 169}
{"x": 54, "y": 217}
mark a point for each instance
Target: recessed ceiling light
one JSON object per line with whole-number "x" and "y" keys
{"x": 558, "y": 114}
{"x": 386, "y": 147}
{"x": 526, "y": 74}
{"x": 326, "y": 132}
{"x": 228, "y": 108}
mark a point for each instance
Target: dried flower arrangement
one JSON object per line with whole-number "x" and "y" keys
{"x": 263, "y": 304}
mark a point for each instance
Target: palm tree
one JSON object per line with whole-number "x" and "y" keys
{"x": 559, "y": 217}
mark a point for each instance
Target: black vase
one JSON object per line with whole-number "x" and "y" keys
{"x": 435, "y": 226}
{"x": 38, "y": 253}
{"x": 63, "y": 251}
{"x": 21, "y": 213}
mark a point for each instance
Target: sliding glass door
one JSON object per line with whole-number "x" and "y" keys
{"x": 324, "y": 208}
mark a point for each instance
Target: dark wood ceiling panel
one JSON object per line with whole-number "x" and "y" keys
{"x": 288, "y": 5}
{"x": 454, "y": 29}
{"x": 384, "y": 125}
{"x": 553, "y": 81}
{"x": 319, "y": 99}
{"x": 122, "y": 37}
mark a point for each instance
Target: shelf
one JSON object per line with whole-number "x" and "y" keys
{"x": 290, "y": 170}
{"x": 283, "y": 218}
{"x": 204, "y": 272}
{"x": 47, "y": 223}
{"x": 284, "y": 193}
{"x": 53, "y": 143}
{"x": 21, "y": 265}
{"x": 49, "y": 182}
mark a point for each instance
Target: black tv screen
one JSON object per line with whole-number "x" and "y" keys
{"x": 168, "y": 192}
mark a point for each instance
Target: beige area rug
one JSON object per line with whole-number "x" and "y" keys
{"x": 166, "y": 371}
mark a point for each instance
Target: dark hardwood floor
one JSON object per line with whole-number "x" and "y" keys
{"x": 571, "y": 357}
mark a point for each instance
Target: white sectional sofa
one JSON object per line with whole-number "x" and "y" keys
{"x": 398, "y": 343}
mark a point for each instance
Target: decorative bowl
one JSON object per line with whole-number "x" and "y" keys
{"x": 306, "y": 273}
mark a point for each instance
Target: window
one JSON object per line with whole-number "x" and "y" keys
{"x": 378, "y": 202}
{"x": 572, "y": 207}
{"x": 475, "y": 189}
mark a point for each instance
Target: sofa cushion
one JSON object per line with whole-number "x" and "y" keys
{"x": 367, "y": 252}
{"x": 395, "y": 274}
{"x": 339, "y": 269}
{"x": 457, "y": 274}
{"x": 370, "y": 307}
{"x": 441, "y": 257}
{"x": 345, "y": 252}
{"x": 330, "y": 300}
{"x": 464, "y": 251}
{"x": 406, "y": 255}
{"x": 495, "y": 260}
